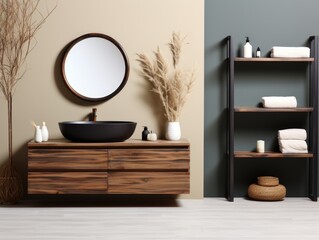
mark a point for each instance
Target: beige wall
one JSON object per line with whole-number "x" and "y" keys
{"x": 139, "y": 25}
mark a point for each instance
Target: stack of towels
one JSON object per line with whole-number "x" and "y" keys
{"x": 293, "y": 140}
{"x": 290, "y": 52}
{"x": 279, "y": 102}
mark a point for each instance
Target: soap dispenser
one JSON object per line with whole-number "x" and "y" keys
{"x": 45, "y": 133}
{"x": 145, "y": 133}
{"x": 248, "y": 49}
{"x": 258, "y": 52}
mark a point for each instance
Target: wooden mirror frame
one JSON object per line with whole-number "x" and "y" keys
{"x": 117, "y": 45}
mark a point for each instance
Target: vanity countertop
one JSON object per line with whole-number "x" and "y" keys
{"x": 58, "y": 143}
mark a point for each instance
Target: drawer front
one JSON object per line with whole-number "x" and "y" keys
{"x": 148, "y": 182}
{"x": 157, "y": 159}
{"x": 67, "y": 183}
{"x": 67, "y": 159}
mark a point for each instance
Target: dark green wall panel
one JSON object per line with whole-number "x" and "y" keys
{"x": 267, "y": 23}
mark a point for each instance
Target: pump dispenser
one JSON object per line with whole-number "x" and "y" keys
{"x": 145, "y": 133}
{"x": 258, "y": 52}
{"x": 248, "y": 49}
{"x": 45, "y": 133}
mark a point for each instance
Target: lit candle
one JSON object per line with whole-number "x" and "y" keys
{"x": 260, "y": 146}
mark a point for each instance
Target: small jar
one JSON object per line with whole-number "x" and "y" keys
{"x": 260, "y": 146}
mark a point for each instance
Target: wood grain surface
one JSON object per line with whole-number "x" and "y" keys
{"x": 67, "y": 182}
{"x": 261, "y": 109}
{"x": 183, "y": 219}
{"x": 270, "y": 59}
{"x": 248, "y": 154}
{"x": 134, "y": 167}
{"x": 130, "y": 143}
{"x": 149, "y": 159}
{"x": 148, "y": 182}
{"x": 67, "y": 159}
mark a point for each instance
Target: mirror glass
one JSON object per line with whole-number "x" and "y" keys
{"x": 95, "y": 67}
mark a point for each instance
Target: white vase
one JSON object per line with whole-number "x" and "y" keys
{"x": 173, "y": 131}
{"x": 37, "y": 135}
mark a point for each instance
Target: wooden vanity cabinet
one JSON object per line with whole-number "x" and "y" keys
{"x": 130, "y": 167}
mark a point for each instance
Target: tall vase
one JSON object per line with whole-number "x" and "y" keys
{"x": 173, "y": 131}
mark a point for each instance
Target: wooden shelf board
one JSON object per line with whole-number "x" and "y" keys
{"x": 248, "y": 154}
{"x": 269, "y": 59}
{"x": 260, "y": 109}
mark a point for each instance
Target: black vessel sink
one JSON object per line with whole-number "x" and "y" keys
{"x": 99, "y": 131}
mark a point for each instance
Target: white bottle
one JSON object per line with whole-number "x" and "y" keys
{"x": 258, "y": 52}
{"x": 45, "y": 133}
{"x": 38, "y": 134}
{"x": 248, "y": 49}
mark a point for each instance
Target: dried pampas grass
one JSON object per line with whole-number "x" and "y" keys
{"x": 172, "y": 87}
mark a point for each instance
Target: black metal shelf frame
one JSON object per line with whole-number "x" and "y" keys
{"x": 313, "y": 119}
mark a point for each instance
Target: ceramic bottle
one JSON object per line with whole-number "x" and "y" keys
{"x": 248, "y": 49}
{"x": 38, "y": 134}
{"x": 145, "y": 133}
{"x": 45, "y": 133}
{"x": 258, "y": 52}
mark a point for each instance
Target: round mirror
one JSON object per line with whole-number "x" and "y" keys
{"x": 95, "y": 67}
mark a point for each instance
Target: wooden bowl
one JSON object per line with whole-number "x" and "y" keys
{"x": 268, "y": 181}
{"x": 266, "y": 193}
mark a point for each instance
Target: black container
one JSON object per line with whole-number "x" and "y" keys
{"x": 145, "y": 133}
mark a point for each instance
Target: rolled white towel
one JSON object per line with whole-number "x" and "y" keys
{"x": 290, "y": 52}
{"x": 279, "y": 102}
{"x": 292, "y": 134}
{"x": 293, "y": 146}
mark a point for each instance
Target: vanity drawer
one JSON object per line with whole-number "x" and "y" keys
{"x": 148, "y": 182}
{"x": 67, "y": 159}
{"x": 155, "y": 159}
{"x": 67, "y": 183}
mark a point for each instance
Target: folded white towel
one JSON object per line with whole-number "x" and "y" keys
{"x": 290, "y": 52}
{"x": 279, "y": 102}
{"x": 293, "y": 146}
{"x": 292, "y": 134}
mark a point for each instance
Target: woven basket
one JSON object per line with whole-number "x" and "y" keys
{"x": 11, "y": 189}
{"x": 266, "y": 193}
{"x": 268, "y": 181}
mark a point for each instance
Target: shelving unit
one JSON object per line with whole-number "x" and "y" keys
{"x": 259, "y": 109}
{"x": 238, "y": 59}
{"x": 312, "y": 110}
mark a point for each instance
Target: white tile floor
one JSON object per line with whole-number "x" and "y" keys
{"x": 209, "y": 218}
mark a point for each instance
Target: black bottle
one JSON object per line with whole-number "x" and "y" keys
{"x": 145, "y": 133}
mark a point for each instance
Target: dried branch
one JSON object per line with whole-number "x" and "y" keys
{"x": 172, "y": 90}
{"x": 17, "y": 32}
